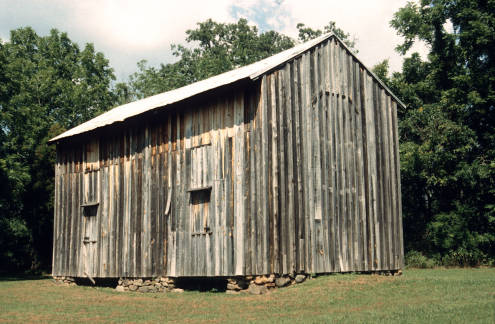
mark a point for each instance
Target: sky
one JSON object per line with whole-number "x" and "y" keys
{"x": 127, "y": 31}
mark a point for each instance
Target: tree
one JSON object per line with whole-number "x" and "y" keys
{"x": 216, "y": 48}
{"x": 381, "y": 70}
{"x": 47, "y": 84}
{"x": 307, "y": 33}
{"x": 448, "y": 129}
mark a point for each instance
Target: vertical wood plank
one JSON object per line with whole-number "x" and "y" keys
{"x": 238, "y": 179}
{"x": 281, "y": 158}
{"x": 264, "y": 179}
{"x": 398, "y": 203}
{"x": 360, "y": 167}
{"x": 300, "y": 224}
{"x": 291, "y": 212}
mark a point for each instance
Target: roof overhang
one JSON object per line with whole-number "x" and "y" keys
{"x": 162, "y": 100}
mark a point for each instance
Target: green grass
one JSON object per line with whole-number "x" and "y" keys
{"x": 418, "y": 296}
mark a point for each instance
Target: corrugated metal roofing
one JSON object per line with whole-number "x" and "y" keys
{"x": 252, "y": 71}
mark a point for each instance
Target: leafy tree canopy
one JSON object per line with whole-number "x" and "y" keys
{"x": 307, "y": 33}
{"x": 217, "y": 48}
{"x": 448, "y": 129}
{"x": 47, "y": 84}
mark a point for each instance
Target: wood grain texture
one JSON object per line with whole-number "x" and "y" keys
{"x": 297, "y": 171}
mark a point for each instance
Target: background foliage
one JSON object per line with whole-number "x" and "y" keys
{"x": 448, "y": 130}
{"x": 48, "y": 84}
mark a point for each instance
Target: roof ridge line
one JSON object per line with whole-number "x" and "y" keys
{"x": 252, "y": 71}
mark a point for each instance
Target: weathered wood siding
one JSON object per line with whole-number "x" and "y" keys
{"x": 298, "y": 172}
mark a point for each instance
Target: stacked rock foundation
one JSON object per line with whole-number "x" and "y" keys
{"x": 258, "y": 285}
{"x": 67, "y": 281}
{"x": 154, "y": 285}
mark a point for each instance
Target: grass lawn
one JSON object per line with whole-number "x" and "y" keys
{"x": 418, "y": 296}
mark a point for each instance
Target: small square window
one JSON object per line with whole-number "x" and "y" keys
{"x": 199, "y": 204}
{"x": 90, "y": 209}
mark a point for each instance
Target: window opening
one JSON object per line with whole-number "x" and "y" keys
{"x": 200, "y": 189}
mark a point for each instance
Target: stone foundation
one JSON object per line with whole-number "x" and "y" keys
{"x": 66, "y": 281}
{"x": 256, "y": 285}
{"x": 161, "y": 284}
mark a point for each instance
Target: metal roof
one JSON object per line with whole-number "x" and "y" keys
{"x": 252, "y": 71}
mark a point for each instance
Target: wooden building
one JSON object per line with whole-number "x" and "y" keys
{"x": 288, "y": 165}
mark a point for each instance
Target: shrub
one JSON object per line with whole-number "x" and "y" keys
{"x": 415, "y": 259}
{"x": 465, "y": 258}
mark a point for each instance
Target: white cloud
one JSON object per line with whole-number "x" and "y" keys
{"x": 146, "y": 24}
{"x": 127, "y": 31}
{"x": 368, "y": 21}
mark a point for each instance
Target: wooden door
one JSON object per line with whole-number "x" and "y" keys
{"x": 200, "y": 226}
{"x": 91, "y": 184}
{"x": 90, "y": 213}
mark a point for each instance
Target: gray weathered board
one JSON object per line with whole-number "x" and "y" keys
{"x": 295, "y": 172}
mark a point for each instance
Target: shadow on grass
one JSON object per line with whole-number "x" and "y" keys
{"x": 187, "y": 283}
{"x": 99, "y": 282}
{"x": 21, "y": 277}
{"x": 212, "y": 285}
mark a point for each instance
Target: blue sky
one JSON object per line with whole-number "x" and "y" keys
{"x": 261, "y": 12}
{"x": 127, "y": 31}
